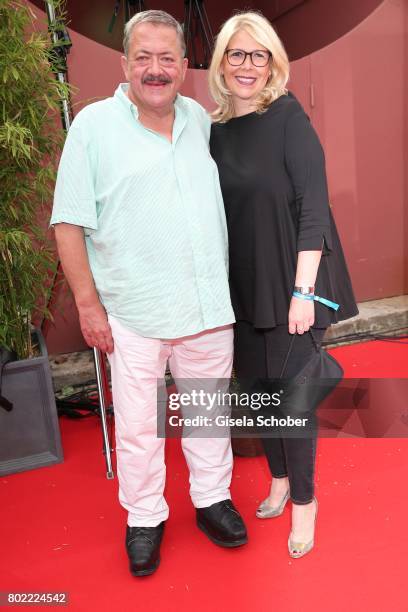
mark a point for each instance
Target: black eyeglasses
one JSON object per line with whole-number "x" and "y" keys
{"x": 236, "y": 57}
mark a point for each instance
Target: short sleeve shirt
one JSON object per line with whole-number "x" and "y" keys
{"x": 153, "y": 216}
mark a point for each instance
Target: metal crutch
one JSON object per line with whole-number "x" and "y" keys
{"x": 104, "y": 395}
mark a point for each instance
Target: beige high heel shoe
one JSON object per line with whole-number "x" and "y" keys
{"x": 299, "y": 549}
{"x": 265, "y": 511}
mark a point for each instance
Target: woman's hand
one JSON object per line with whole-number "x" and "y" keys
{"x": 301, "y": 315}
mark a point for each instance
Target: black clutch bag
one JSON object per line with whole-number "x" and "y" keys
{"x": 302, "y": 394}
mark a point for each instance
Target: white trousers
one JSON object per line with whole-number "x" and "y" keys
{"x": 136, "y": 365}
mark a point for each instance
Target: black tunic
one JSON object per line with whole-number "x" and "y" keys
{"x": 273, "y": 181}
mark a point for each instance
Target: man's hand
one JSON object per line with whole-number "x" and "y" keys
{"x": 95, "y": 327}
{"x": 301, "y": 315}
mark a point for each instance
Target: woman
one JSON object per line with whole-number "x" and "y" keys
{"x": 282, "y": 239}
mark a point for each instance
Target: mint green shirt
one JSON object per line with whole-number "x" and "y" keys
{"x": 153, "y": 216}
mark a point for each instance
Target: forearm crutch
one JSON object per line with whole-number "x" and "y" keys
{"x": 105, "y": 400}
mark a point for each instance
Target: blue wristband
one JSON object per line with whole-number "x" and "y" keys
{"x": 316, "y": 298}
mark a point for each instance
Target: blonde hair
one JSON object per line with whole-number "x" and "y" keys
{"x": 257, "y": 26}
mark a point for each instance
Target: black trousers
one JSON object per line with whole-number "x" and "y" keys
{"x": 261, "y": 353}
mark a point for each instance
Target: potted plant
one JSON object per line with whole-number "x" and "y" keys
{"x": 31, "y": 138}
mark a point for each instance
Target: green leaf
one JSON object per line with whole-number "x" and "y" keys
{"x": 30, "y": 144}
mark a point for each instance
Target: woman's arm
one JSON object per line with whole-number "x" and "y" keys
{"x": 301, "y": 312}
{"x": 305, "y": 163}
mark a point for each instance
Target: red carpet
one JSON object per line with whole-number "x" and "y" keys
{"x": 62, "y": 528}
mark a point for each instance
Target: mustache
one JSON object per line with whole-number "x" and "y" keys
{"x": 151, "y": 78}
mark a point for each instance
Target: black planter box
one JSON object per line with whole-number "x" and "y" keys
{"x": 29, "y": 433}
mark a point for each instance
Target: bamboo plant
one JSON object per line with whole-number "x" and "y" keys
{"x": 31, "y": 137}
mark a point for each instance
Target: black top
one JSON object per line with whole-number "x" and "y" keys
{"x": 273, "y": 181}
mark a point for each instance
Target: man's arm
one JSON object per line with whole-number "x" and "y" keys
{"x": 74, "y": 259}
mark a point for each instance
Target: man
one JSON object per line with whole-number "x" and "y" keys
{"x": 140, "y": 227}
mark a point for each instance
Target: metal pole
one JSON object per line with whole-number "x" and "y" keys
{"x": 66, "y": 111}
{"x": 197, "y": 31}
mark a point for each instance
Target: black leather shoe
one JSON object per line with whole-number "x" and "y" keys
{"x": 143, "y": 548}
{"x": 222, "y": 524}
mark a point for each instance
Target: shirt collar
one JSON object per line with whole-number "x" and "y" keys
{"x": 122, "y": 98}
